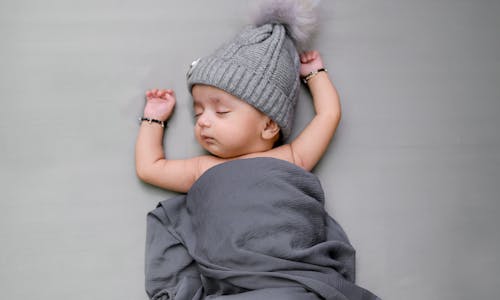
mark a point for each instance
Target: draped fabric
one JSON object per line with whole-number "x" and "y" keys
{"x": 249, "y": 229}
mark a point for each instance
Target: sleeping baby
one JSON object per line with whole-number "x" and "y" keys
{"x": 250, "y": 221}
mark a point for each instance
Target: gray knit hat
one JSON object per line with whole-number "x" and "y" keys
{"x": 261, "y": 64}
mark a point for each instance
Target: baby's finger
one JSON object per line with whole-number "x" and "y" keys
{"x": 303, "y": 57}
{"x": 169, "y": 97}
{"x": 307, "y": 57}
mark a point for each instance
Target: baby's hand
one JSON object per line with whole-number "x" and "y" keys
{"x": 310, "y": 62}
{"x": 159, "y": 104}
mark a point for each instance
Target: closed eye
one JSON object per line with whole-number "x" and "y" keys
{"x": 223, "y": 112}
{"x": 198, "y": 111}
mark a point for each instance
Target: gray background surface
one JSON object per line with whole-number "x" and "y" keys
{"x": 413, "y": 173}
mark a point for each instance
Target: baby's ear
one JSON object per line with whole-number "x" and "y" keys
{"x": 271, "y": 131}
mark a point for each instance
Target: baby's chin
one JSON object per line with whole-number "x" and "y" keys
{"x": 220, "y": 153}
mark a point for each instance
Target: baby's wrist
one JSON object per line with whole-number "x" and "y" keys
{"x": 155, "y": 116}
{"x": 312, "y": 74}
{"x": 153, "y": 113}
{"x": 163, "y": 124}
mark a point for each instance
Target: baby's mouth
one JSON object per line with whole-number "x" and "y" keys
{"x": 208, "y": 139}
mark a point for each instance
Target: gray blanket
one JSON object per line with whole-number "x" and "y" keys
{"x": 249, "y": 229}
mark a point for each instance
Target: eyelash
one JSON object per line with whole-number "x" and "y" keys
{"x": 218, "y": 112}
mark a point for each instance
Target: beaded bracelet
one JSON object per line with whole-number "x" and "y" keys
{"x": 162, "y": 123}
{"x": 306, "y": 78}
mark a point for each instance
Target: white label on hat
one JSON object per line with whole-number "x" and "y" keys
{"x": 192, "y": 66}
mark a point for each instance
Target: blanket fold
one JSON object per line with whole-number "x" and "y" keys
{"x": 249, "y": 229}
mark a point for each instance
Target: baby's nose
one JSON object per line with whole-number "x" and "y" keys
{"x": 203, "y": 121}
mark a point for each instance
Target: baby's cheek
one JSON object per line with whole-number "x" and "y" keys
{"x": 196, "y": 134}
{"x": 236, "y": 132}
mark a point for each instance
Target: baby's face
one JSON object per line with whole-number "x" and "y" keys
{"x": 225, "y": 125}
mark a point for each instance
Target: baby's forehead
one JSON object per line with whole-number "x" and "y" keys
{"x": 211, "y": 95}
{"x": 207, "y": 101}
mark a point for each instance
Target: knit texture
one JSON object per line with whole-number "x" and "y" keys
{"x": 259, "y": 66}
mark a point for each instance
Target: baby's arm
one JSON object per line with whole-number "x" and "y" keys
{"x": 312, "y": 142}
{"x": 149, "y": 155}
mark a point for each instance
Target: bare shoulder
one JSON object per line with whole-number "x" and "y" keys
{"x": 206, "y": 162}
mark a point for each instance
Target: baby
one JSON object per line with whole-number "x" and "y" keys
{"x": 244, "y": 96}
{"x": 230, "y": 128}
{"x": 250, "y": 220}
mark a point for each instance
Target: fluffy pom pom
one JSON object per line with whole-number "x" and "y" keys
{"x": 298, "y": 16}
